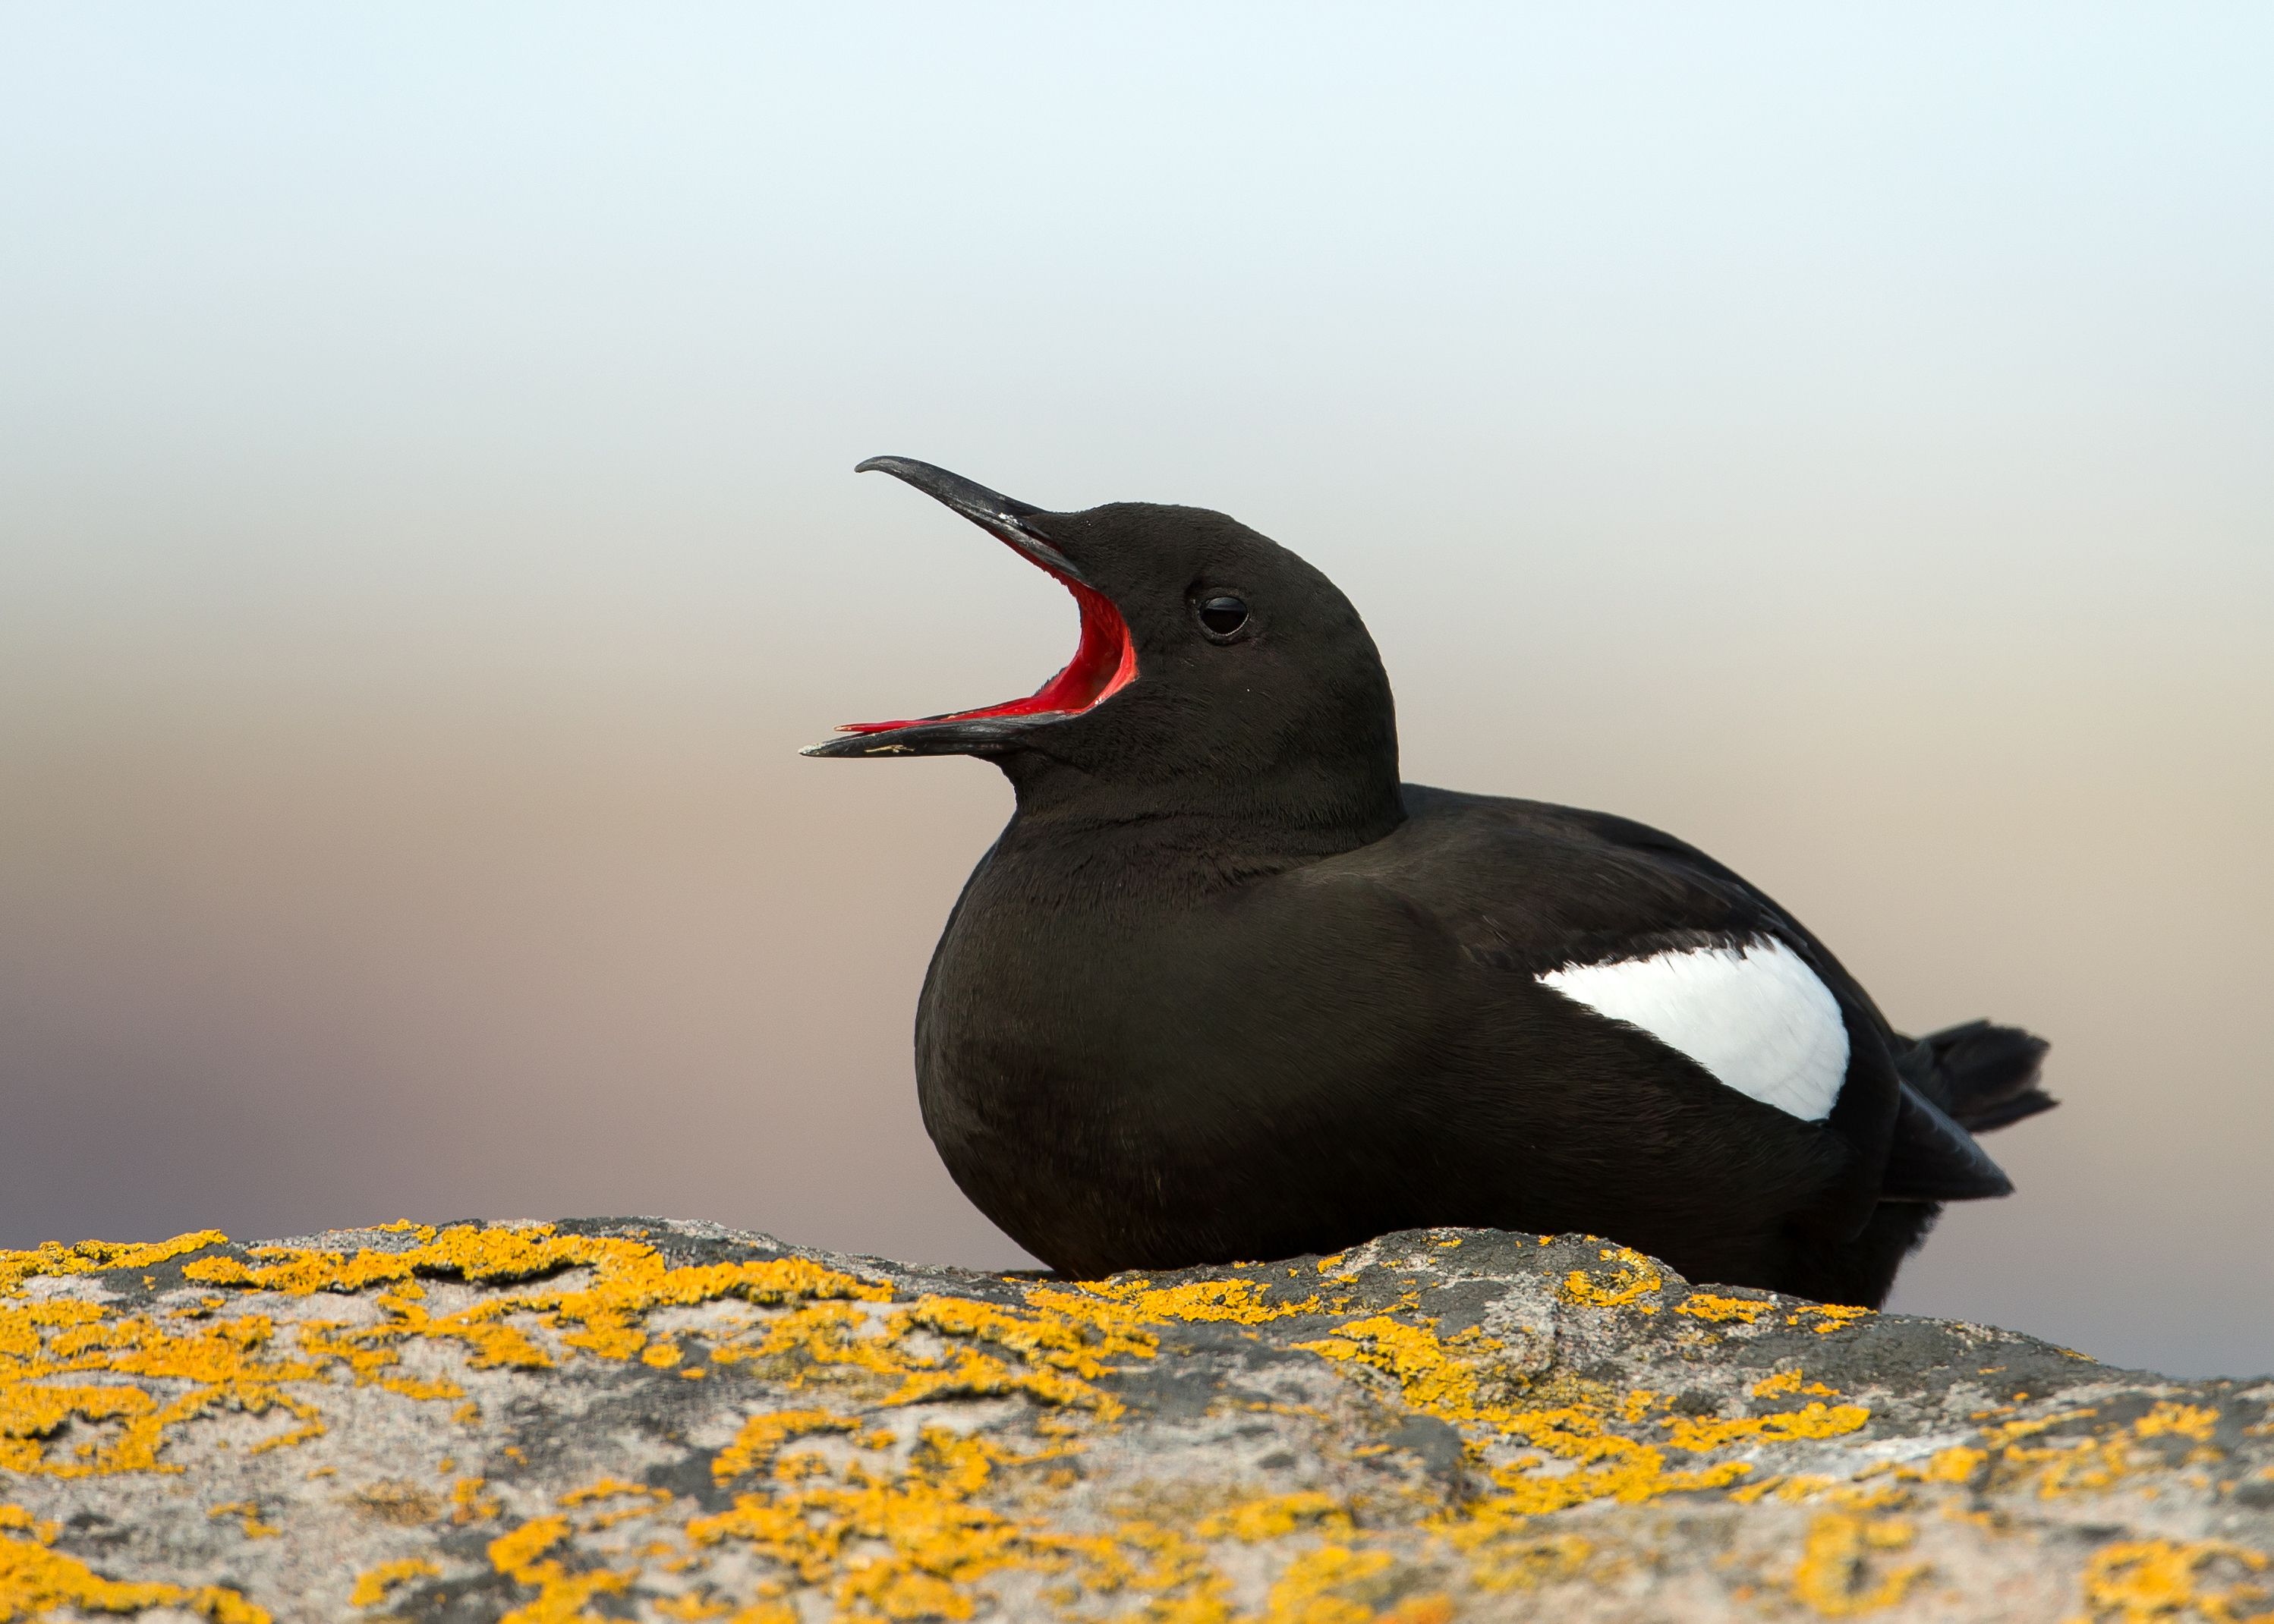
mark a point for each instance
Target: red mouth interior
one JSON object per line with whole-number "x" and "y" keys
{"x": 1104, "y": 663}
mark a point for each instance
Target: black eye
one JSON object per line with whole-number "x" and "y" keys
{"x": 1222, "y": 616}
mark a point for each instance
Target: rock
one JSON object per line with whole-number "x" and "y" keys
{"x": 664, "y": 1420}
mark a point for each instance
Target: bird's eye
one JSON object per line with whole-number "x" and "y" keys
{"x": 1222, "y": 616}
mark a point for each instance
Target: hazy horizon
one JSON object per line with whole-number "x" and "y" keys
{"x": 427, "y": 533}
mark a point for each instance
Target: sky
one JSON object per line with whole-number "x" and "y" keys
{"x": 427, "y": 531}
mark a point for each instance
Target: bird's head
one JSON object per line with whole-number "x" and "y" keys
{"x": 1215, "y": 669}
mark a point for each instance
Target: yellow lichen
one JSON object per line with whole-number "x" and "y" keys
{"x": 1062, "y": 1329}
{"x": 225, "y": 1364}
{"x": 248, "y": 1514}
{"x": 1606, "y": 1466}
{"x": 1056, "y": 1346}
{"x": 237, "y": 1363}
{"x": 2008, "y": 1432}
{"x": 1956, "y": 1464}
{"x": 628, "y": 1278}
{"x": 1239, "y": 1301}
{"x": 2088, "y": 1465}
{"x": 1817, "y": 1420}
{"x": 2096, "y": 1462}
{"x": 1830, "y": 1316}
{"x": 1527, "y": 1563}
{"x": 1869, "y": 1496}
{"x": 373, "y": 1584}
{"x": 693, "y": 1609}
{"x": 561, "y": 1594}
{"x": 16, "y": 1517}
{"x": 524, "y": 1545}
{"x": 1333, "y": 1585}
{"x": 1789, "y": 1381}
{"x": 1432, "y": 1375}
{"x": 754, "y": 1445}
{"x": 470, "y": 1502}
{"x": 2150, "y": 1580}
{"x": 97, "y": 1257}
{"x": 2181, "y": 1420}
{"x": 1720, "y": 1310}
{"x": 1836, "y": 1576}
{"x": 35, "y": 1580}
{"x": 1275, "y": 1516}
{"x": 613, "y": 1488}
{"x": 909, "y": 1540}
{"x": 1632, "y": 1278}
{"x": 1449, "y": 1380}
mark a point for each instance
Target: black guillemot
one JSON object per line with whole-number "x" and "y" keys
{"x": 1224, "y": 989}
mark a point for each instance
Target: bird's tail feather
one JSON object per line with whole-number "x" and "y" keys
{"x": 1985, "y": 1077}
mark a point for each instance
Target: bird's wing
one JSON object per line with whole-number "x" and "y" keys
{"x": 1646, "y": 929}
{"x": 1930, "y": 1156}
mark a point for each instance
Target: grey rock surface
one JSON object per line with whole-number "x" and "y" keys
{"x": 652, "y": 1419}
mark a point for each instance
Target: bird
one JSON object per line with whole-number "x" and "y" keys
{"x": 1225, "y": 989}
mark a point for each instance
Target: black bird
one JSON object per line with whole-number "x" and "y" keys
{"x": 1225, "y": 989}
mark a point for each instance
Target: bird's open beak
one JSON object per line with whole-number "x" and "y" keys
{"x": 1105, "y": 662}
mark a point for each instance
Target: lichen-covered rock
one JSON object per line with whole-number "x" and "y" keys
{"x": 662, "y": 1420}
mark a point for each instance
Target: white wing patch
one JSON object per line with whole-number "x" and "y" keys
{"x": 1755, "y": 1017}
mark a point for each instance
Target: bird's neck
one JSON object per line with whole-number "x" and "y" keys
{"x": 1210, "y": 831}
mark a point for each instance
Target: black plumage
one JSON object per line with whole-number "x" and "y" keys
{"x": 1225, "y": 987}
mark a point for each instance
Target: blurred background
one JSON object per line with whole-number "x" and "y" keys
{"x": 427, "y": 533}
